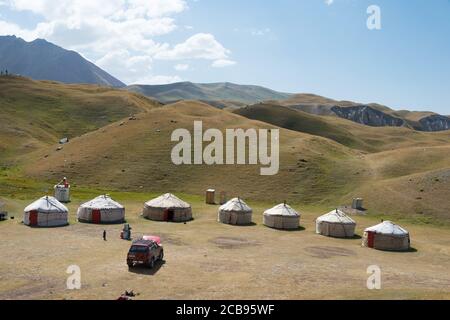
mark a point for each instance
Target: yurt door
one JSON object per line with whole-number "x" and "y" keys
{"x": 171, "y": 215}
{"x": 370, "y": 239}
{"x": 33, "y": 218}
{"x": 96, "y": 216}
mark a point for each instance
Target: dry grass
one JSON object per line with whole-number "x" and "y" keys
{"x": 208, "y": 260}
{"x": 402, "y": 174}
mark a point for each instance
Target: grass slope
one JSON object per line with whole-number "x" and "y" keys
{"x": 34, "y": 114}
{"x": 136, "y": 156}
{"x": 208, "y": 260}
{"x": 324, "y": 161}
{"x": 348, "y": 133}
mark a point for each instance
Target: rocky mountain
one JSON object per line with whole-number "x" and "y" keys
{"x": 373, "y": 114}
{"x": 368, "y": 116}
{"x": 42, "y": 60}
{"x": 435, "y": 123}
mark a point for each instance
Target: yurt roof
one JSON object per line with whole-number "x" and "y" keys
{"x": 47, "y": 204}
{"x": 236, "y": 204}
{"x": 336, "y": 216}
{"x": 388, "y": 227}
{"x": 102, "y": 202}
{"x": 282, "y": 210}
{"x": 167, "y": 200}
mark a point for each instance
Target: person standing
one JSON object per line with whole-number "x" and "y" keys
{"x": 104, "y": 235}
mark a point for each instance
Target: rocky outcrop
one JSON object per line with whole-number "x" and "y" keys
{"x": 368, "y": 116}
{"x": 435, "y": 123}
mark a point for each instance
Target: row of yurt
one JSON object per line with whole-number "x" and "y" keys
{"x": 100, "y": 210}
{"x": 169, "y": 208}
{"x": 237, "y": 212}
{"x": 49, "y": 212}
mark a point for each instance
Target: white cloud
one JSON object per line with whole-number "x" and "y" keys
{"x": 123, "y": 65}
{"x": 329, "y": 2}
{"x": 158, "y": 79}
{"x": 181, "y": 67}
{"x": 119, "y": 35}
{"x": 222, "y": 63}
{"x": 260, "y": 32}
{"x": 199, "y": 46}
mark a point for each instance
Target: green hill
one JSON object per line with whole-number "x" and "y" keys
{"x": 228, "y": 92}
{"x": 324, "y": 161}
{"x": 39, "y": 113}
{"x": 345, "y": 132}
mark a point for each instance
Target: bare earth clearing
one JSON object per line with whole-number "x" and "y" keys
{"x": 208, "y": 260}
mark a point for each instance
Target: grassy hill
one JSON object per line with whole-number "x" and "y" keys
{"x": 371, "y": 114}
{"x": 230, "y": 93}
{"x": 136, "y": 156}
{"x": 324, "y": 161}
{"x": 348, "y": 133}
{"x": 34, "y": 114}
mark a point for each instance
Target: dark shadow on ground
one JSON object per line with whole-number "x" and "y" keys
{"x": 410, "y": 250}
{"x": 355, "y": 237}
{"x": 143, "y": 270}
{"x": 251, "y": 224}
{"x": 288, "y": 230}
{"x": 102, "y": 223}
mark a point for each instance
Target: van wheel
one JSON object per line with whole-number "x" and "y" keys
{"x": 161, "y": 255}
{"x": 151, "y": 264}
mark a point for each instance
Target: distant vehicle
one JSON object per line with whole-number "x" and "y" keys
{"x": 145, "y": 252}
{"x": 3, "y": 214}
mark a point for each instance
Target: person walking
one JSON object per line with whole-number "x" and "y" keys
{"x": 104, "y": 235}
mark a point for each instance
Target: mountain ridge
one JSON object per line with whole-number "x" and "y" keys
{"x": 371, "y": 114}
{"x": 218, "y": 91}
{"x": 43, "y": 60}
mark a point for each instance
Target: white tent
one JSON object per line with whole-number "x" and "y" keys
{"x": 167, "y": 207}
{"x": 387, "y": 236}
{"x": 282, "y": 216}
{"x": 336, "y": 224}
{"x": 102, "y": 209}
{"x": 46, "y": 212}
{"x": 235, "y": 212}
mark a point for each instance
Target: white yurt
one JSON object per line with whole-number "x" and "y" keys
{"x": 336, "y": 224}
{"x": 282, "y": 216}
{"x": 167, "y": 207}
{"x": 46, "y": 212}
{"x": 386, "y": 236}
{"x": 101, "y": 210}
{"x": 235, "y": 212}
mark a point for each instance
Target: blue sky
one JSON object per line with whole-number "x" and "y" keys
{"x": 288, "y": 45}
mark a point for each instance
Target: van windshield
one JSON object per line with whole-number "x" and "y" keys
{"x": 138, "y": 249}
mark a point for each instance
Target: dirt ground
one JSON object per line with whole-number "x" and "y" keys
{"x": 208, "y": 260}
